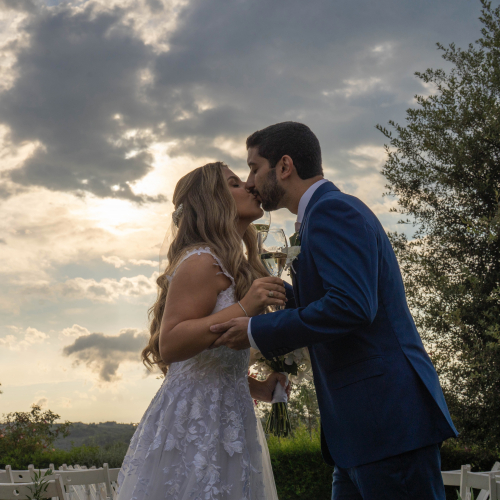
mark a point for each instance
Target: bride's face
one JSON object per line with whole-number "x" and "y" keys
{"x": 246, "y": 204}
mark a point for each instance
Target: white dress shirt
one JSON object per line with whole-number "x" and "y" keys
{"x": 304, "y": 201}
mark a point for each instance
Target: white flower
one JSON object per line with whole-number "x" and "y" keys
{"x": 198, "y": 406}
{"x": 291, "y": 254}
{"x": 170, "y": 442}
{"x": 229, "y": 441}
{"x": 230, "y": 398}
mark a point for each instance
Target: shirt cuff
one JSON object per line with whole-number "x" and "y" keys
{"x": 249, "y": 333}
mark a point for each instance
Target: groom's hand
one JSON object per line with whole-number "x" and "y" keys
{"x": 235, "y": 336}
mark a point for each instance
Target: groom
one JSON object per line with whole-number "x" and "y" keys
{"x": 383, "y": 414}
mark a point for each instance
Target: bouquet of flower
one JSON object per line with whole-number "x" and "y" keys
{"x": 295, "y": 365}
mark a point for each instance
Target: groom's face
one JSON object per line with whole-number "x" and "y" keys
{"x": 262, "y": 181}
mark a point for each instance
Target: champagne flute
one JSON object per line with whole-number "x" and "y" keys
{"x": 274, "y": 252}
{"x": 262, "y": 225}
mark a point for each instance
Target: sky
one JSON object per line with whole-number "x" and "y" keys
{"x": 105, "y": 104}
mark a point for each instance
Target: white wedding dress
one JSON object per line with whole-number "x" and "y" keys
{"x": 199, "y": 438}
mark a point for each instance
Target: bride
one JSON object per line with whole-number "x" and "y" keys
{"x": 200, "y": 438}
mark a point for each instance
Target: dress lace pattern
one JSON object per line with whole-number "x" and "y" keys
{"x": 199, "y": 437}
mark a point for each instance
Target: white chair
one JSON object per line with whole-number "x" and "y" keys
{"x": 90, "y": 479}
{"x": 22, "y": 476}
{"x": 113, "y": 477}
{"x": 495, "y": 471}
{"x": 483, "y": 481}
{"x": 451, "y": 477}
{"x": 495, "y": 494}
{"x": 465, "y": 480}
{"x": 17, "y": 491}
{"x": 6, "y": 475}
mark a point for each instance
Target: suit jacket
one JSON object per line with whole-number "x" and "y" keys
{"x": 378, "y": 392}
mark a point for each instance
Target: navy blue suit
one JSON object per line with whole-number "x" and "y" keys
{"x": 378, "y": 392}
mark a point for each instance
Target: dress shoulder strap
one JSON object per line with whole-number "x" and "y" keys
{"x": 199, "y": 251}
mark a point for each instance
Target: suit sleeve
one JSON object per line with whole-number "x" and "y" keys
{"x": 344, "y": 250}
{"x": 290, "y": 296}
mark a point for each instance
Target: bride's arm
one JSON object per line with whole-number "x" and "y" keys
{"x": 185, "y": 326}
{"x": 192, "y": 295}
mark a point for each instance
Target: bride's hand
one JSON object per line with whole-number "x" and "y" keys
{"x": 263, "y": 390}
{"x": 257, "y": 298}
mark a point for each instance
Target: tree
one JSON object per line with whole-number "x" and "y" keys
{"x": 23, "y": 434}
{"x": 303, "y": 405}
{"x": 444, "y": 168}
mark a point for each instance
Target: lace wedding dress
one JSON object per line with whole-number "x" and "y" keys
{"x": 199, "y": 438}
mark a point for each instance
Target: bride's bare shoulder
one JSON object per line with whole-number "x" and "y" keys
{"x": 200, "y": 270}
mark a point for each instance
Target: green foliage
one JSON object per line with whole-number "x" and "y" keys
{"x": 88, "y": 455}
{"x": 299, "y": 470}
{"x": 303, "y": 406}
{"x": 101, "y": 433}
{"x": 444, "y": 167}
{"x": 40, "y": 485}
{"x": 298, "y": 467}
{"x": 472, "y": 497}
{"x": 25, "y": 434}
{"x": 454, "y": 454}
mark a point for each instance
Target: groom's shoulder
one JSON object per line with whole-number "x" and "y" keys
{"x": 343, "y": 207}
{"x": 339, "y": 201}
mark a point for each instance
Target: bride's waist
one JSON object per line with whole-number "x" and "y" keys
{"x": 213, "y": 363}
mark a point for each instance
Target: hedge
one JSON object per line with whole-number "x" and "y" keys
{"x": 299, "y": 470}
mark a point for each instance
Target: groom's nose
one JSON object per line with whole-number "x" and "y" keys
{"x": 250, "y": 184}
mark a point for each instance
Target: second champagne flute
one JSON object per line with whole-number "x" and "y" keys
{"x": 274, "y": 252}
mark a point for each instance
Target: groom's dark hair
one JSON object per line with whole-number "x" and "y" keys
{"x": 293, "y": 139}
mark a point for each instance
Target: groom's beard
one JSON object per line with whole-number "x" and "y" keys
{"x": 271, "y": 193}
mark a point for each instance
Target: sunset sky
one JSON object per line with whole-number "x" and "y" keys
{"x": 105, "y": 104}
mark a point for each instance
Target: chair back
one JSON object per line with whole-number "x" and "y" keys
{"x": 113, "y": 474}
{"x": 495, "y": 471}
{"x": 86, "y": 477}
{"x": 16, "y": 491}
{"x": 6, "y": 475}
{"x": 22, "y": 476}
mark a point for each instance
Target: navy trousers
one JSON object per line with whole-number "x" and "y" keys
{"x": 414, "y": 475}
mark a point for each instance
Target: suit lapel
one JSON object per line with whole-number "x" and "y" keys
{"x": 324, "y": 188}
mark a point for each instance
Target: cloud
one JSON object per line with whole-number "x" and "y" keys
{"x": 20, "y": 5}
{"x": 143, "y": 262}
{"x": 116, "y": 261}
{"x": 43, "y": 401}
{"x": 74, "y": 331}
{"x": 85, "y": 395}
{"x": 65, "y": 402}
{"x": 103, "y": 354}
{"x": 101, "y": 83}
{"x": 23, "y": 339}
{"x": 77, "y": 93}
{"x": 106, "y": 290}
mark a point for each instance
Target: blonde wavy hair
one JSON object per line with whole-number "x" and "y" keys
{"x": 209, "y": 218}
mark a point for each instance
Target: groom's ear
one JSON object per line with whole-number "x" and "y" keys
{"x": 285, "y": 167}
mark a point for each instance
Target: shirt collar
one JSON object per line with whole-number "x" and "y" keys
{"x": 306, "y": 197}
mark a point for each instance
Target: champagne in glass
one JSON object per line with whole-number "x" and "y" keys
{"x": 273, "y": 253}
{"x": 274, "y": 262}
{"x": 262, "y": 225}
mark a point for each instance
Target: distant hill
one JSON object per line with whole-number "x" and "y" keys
{"x": 102, "y": 433}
